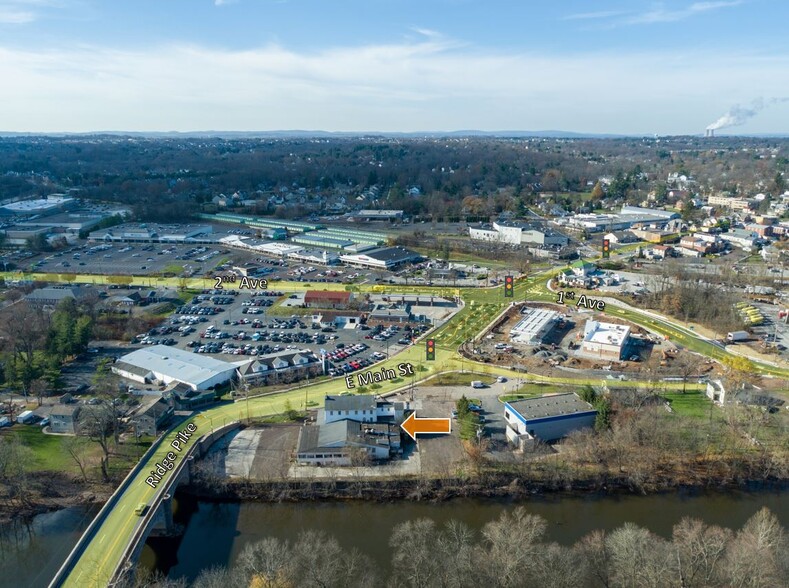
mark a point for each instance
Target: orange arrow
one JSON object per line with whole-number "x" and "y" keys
{"x": 414, "y": 426}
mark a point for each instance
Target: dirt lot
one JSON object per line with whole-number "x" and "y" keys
{"x": 656, "y": 356}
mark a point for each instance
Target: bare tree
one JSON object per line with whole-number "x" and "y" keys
{"x": 513, "y": 547}
{"x": 97, "y": 423}
{"x": 699, "y": 550}
{"x": 76, "y": 447}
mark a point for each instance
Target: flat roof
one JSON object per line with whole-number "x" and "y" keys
{"x": 550, "y": 406}
{"x": 177, "y": 364}
{"x": 534, "y": 323}
{"x": 37, "y": 204}
{"x": 605, "y": 333}
{"x": 350, "y": 402}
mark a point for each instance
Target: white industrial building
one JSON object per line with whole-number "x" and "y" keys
{"x": 383, "y": 258}
{"x": 535, "y": 325}
{"x": 512, "y": 233}
{"x": 164, "y": 365}
{"x": 546, "y": 418}
{"x": 605, "y": 340}
{"x": 362, "y": 407}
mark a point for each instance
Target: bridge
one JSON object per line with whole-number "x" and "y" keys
{"x": 117, "y": 534}
{"x": 106, "y": 551}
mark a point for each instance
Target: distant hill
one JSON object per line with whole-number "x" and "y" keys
{"x": 303, "y": 134}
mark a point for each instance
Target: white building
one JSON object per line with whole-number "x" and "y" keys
{"x": 534, "y": 326}
{"x": 546, "y": 418}
{"x": 605, "y": 340}
{"x": 164, "y": 365}
{"x": 512, "y": 233}
{"x": 363, "y": 408}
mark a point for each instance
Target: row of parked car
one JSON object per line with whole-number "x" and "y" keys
{"x": 356, "y": 364}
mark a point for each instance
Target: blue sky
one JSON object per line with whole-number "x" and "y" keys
{"x": 614, "y": 66}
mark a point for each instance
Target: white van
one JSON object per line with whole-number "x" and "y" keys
{"x": 477, "y": 384}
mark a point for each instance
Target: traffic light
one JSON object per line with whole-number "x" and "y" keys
{"x": 606, "y": 248}
{"x": 430, "y": 347}
{"x": 508, "y": 287}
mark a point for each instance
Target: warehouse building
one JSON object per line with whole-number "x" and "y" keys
{"x": 383, "y": 258}
{"x": 377, "y": 215}
{"x": 161, "y": 364}
{"x": 546, "y": 418}
{"x": 347, "y": 442}
{"x": 514, "y": 233}
{"x": 605, "y": 340}
{"x": 535, "y": 325}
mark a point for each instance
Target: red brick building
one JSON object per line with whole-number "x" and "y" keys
{"x": 326, "y": 299}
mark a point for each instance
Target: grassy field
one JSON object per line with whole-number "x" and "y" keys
{"x": 690, "y": 404}
{"x": 455, "y": 379}
{"x": 49, "y": 452}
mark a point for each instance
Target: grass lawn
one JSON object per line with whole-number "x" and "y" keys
{"x": 532, "y": 390}
{"x": 49, "y": 452}
{"x": 455, "y": 379}
{"x": 691, "y": 404}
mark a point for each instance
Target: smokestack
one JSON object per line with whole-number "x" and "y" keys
{"x": 712, "y": 132}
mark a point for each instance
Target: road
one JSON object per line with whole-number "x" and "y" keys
{"x": 104, "y": 552}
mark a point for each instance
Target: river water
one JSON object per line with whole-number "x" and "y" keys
{"x": 31, "y": 552}
{"x": 217, "y": 532}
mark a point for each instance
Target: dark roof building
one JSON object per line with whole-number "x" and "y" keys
{"x": 346, "y": 443}
{"x": 54, "y": 295}
{"x": 383, "y": 258}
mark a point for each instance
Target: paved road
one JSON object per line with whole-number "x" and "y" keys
{"x": 104, "y": 552}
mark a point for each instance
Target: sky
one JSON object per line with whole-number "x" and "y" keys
{"x": 610, "y": 66}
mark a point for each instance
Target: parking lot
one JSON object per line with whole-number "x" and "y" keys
{"x": 232, "y": 325}
{"x": 136, "y": 259}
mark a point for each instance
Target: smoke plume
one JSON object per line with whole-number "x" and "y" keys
{"x": 739, "y": 114}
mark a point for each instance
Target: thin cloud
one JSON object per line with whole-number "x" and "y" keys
{"x": 660, "y": 14}
{"x": 410, "y": 85}
{"x": 602, "y": 14}
{"x": 12, "y": 16}
{"x": 657, "y": 14}
{"x": 17, "y": 12}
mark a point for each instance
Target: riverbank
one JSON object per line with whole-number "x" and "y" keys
{"x": 51, "y": 491}
{"x": 491, "y": 486}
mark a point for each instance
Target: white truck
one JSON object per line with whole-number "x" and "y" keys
{"x": 735, "y": 336}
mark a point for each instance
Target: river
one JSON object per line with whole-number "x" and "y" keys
{"x": 31, "y": 552}
{"x": 217, "y": 532}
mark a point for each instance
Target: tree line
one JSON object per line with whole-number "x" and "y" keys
{"x": 513, "y": 551}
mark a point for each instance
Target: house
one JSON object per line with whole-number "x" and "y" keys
{"x": 296, "y": 363}
{"x": 51, "y": 296}
{"x": 184, "y": 397}
{"x": 64, "y": 419}
{"x": 605, "y": 340}
{"x": 546, "y": 418}
{"x": 660, "y": 252}
{"x": 347, "y": 442}
{"x": 326, "y": 299}
{"x": 152, "y": 416}
{"x": 582, "y": 269}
